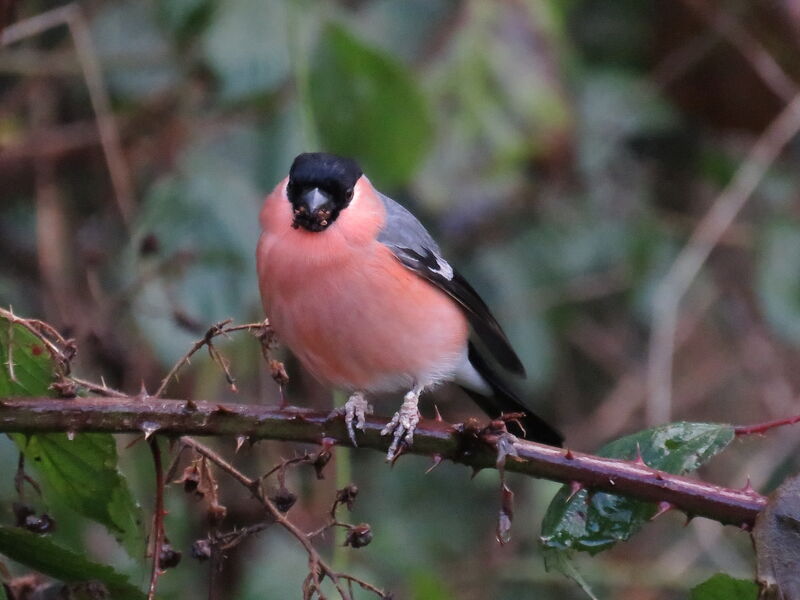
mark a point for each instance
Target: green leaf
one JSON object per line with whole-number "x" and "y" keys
{"x": 725, "y": 587}
{"x": 597, "y": 524}
{"x": 43, "y": 555}
{"x": 779, "y": 279}
{"x": 81, "y": 473}
{"x": 33, "y": 366}
{"x": 366, "y": 105}
{"x": 3, "y": 592}
{"x": 137, "y": 57}
{"x": 247, "y": 46}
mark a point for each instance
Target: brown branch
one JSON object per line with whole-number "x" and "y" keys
{"x": 157, "y": 533}
{"x": 432, "y": 438}
{"x": 753, "y": 51}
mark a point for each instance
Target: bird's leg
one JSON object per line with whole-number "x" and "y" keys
{"x": 356, "y": 408}
{"x": 403, "y": 422}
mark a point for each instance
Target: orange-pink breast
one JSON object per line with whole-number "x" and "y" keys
{"x": 347, "y": 308}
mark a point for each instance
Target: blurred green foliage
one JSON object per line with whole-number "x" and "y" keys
{"x": 561, "y": 151}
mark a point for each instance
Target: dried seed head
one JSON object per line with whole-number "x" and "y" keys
{"x": 201, "y": 550}
{"x": 283, "y": 499}
{"x": 359, "y": 536}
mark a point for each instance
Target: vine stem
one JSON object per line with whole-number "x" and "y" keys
{"x": 436, "y": 439}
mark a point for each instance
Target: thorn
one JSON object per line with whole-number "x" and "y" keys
{"x": 402, "y": 449}
{"x": 282, "y": 403}
{"x": 437, "y": 460}
{"x": 748, "y": 487}
{"x": 574, "y": 488}
{"x": 438, "y": 416}
{"x": 143, "y": 395}
{"x": 149, "y": 428}
{"x": 234, "y": 389}
{"x": 639, "y": 460}
{"x": 240, "y": 441}
{"x": 190, "y": 406}
{"x": 663, "y": 507}
{"x": 568, "y": 454}
{"x": 659, "y": 476}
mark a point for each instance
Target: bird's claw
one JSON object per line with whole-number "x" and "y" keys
{"x": 355, "y": 409}
{"x": 403, "y": 424}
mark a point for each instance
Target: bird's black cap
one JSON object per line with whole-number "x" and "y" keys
{"x": 334, "y": 174}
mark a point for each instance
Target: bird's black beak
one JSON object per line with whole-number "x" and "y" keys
{"x": 313, "y": 209}
{"x": 314, "y": 199}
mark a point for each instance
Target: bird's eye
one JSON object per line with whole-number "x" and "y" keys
{"x": 349, "y": 193}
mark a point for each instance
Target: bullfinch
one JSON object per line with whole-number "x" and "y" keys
{"x": 359, "y": 291}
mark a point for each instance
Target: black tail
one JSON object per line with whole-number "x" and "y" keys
{"x": 505, "y": 401}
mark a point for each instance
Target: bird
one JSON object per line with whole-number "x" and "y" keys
{"x": 355, "y": 286}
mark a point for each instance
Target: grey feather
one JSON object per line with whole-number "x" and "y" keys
{"x": 413, "y": 246}
{"x": 410, "y": 241}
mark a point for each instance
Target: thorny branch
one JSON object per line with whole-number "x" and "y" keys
{"x": 438, "y": 439}
{"x": 469, "y": 444}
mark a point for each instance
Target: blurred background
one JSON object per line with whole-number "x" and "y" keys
{"x": 562, "y": 151}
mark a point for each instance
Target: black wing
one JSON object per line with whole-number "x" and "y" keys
{"x": 416, "y": 249}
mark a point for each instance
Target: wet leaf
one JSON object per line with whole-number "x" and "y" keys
{"x": 367, "y": 105}
{"x": 725, "y": 587}
{"x": 595, "y": 524}
{"x": 81, "y": 473}
{"x": 43, "y": 555}
{"x": 776, "y": 536}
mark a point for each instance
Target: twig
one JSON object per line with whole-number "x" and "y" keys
{"x": 179, "y": 417}
{"x": 762, "y": 428}
{"x": 316, "y": 563}
{"x": 687, "y": 265}
{"x": 220, "y": 328}
{"x": 157, "y": 534}
{"x": 72, "y": 16}
{"x": 212, "y": 332}
{"x": 762, "y": 62}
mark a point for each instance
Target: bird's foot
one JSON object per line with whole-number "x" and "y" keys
{"x": 356, "y": 409}
{"x": 403, "y": 423}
